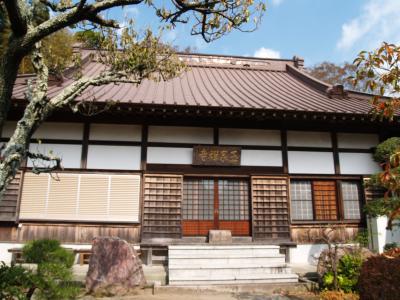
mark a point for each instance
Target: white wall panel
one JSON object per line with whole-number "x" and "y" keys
{"x": 357, "y": 163}
{"x": 174, "y": 134}
{"x": 169, "y": 155}
{"x": 357, "y": 140}
{"x": 261, "y": 158}
{"x": 256, "y": 137}
{"x": 309, "y": 139}
{"x": 59, "y": 131}
{"x": 115, "y": 132}
{"x": 8, "y": 129}
{"x": 113, "y": 157}
{"x": 303, "y": 162}
{"x": 70, "y": 154}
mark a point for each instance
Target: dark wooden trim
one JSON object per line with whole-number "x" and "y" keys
{"x": 313, "y": 223}
{"x": 21, "y": 184}
{"x": 143, "y": 152}
{"x": 358, "y": 150}
{"x": 191, "y": 145}
{"x": 326, "y": 177}
{"x": 339, "y": 200}
{"x": 216, "y": 204}
{"x": 94, "y": 171}
{"x": 85, "y": 139}
{"x": 216, "y": 136}
{"x": 309, "y": 149}
{"x": 185, "y": 169}
{"x": 285, "y": 160}
{"x": 336, "y": 160}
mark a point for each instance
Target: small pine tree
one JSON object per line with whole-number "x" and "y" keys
{"x": 53, "y": 277}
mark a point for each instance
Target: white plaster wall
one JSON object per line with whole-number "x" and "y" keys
{"x": 309, "y": 139}
{"x": 6, "y": 256}
{"x": 8, "y": 129}
{"x": 113, "y": 157}
{"x": 59, "y": 131}
{"x": 169, "y": 155}
{"x": 379, "y": 235}
{"x": 304, "y": 162}
{"x": 357, "y": 163}
{"x": 174, "y": 134}
{"x": 306, "y": 254}
{"x": 357, "y": 140}
{"x": 257, "y": 137}
{"x": 115, "y": 132}
{"x": 70, "y": 154}
{"x": 261, "y": 158}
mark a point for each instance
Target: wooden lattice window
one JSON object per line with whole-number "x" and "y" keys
{"x": 162, "y": 206}
{"x": 325, "y": 203}
{"x": 351, "y": 200}
{"x": 233, "y": 199}
{"x": 270, "y": 208}
{"x": 199, "y": 199}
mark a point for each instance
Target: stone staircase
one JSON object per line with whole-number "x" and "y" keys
{"x": 227, "y": 264}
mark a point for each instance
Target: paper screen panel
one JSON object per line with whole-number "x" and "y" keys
{"x": 62, "y": 197}
{"x": 93, "y": 197}
{"x": 33, "y": 198}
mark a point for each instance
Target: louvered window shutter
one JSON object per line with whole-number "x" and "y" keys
{"x": 83, "y": 197}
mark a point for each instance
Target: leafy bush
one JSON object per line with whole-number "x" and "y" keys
{"x": 390, "y": 246}
{"x": 380, "y": 278}
{"x": 386, "y": 148}
{"x": 54, "y": 273}
{"x": 348, "y": 272}
{"x": 16, "y": 282}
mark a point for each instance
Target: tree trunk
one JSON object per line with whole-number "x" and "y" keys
{"x": 9, "y": 64}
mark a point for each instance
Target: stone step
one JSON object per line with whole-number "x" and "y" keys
{"x": 268, "y": 278}
{"x": 226, "y": 273}
{"x": 231, "y": 262}
{"x": 202, "y": 251}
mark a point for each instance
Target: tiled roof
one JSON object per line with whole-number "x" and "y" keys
{"x": 225, "y": 82}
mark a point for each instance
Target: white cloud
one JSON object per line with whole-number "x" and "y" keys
{"x": 131, "y": 10}
{"x": 379, "y": 21}
{"x": 276, "y": 2}
{"x": 267, "y": 53}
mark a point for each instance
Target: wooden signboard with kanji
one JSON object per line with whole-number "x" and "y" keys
{"x": 216, "y": 156}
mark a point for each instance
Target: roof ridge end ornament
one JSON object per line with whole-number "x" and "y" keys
{"x": 337, "y": 90}
{"x": 298, "y": 62}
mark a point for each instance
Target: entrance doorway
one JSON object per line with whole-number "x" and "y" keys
{"x": 215, "y": 203}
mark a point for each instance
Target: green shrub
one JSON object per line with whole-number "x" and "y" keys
{"x": 54, "y": 269}
{"x": 16, "y": 282}
{"x": 386, "y": 148}
{"x": 348, "y": 272}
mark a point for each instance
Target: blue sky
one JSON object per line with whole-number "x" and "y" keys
{"x": 317, "y": 30}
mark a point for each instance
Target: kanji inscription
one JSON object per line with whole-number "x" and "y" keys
{"x": 216, "y": 156}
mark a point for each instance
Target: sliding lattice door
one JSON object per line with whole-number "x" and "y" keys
{"x": 162, "y": 206}
{"x": 270, "y": 208}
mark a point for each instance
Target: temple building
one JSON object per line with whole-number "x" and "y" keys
{"x": 255, "y": 147}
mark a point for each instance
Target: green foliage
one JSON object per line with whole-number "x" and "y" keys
{"x": 89, "y": 38}
{"x": 54, "y": 273}
{"x": 385, "y": 149}
{"x": 348, "y": 271}
{"x": 15, "y": 282}
{"x": 362, "y": 238}
{"x": 390, "y": 246}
